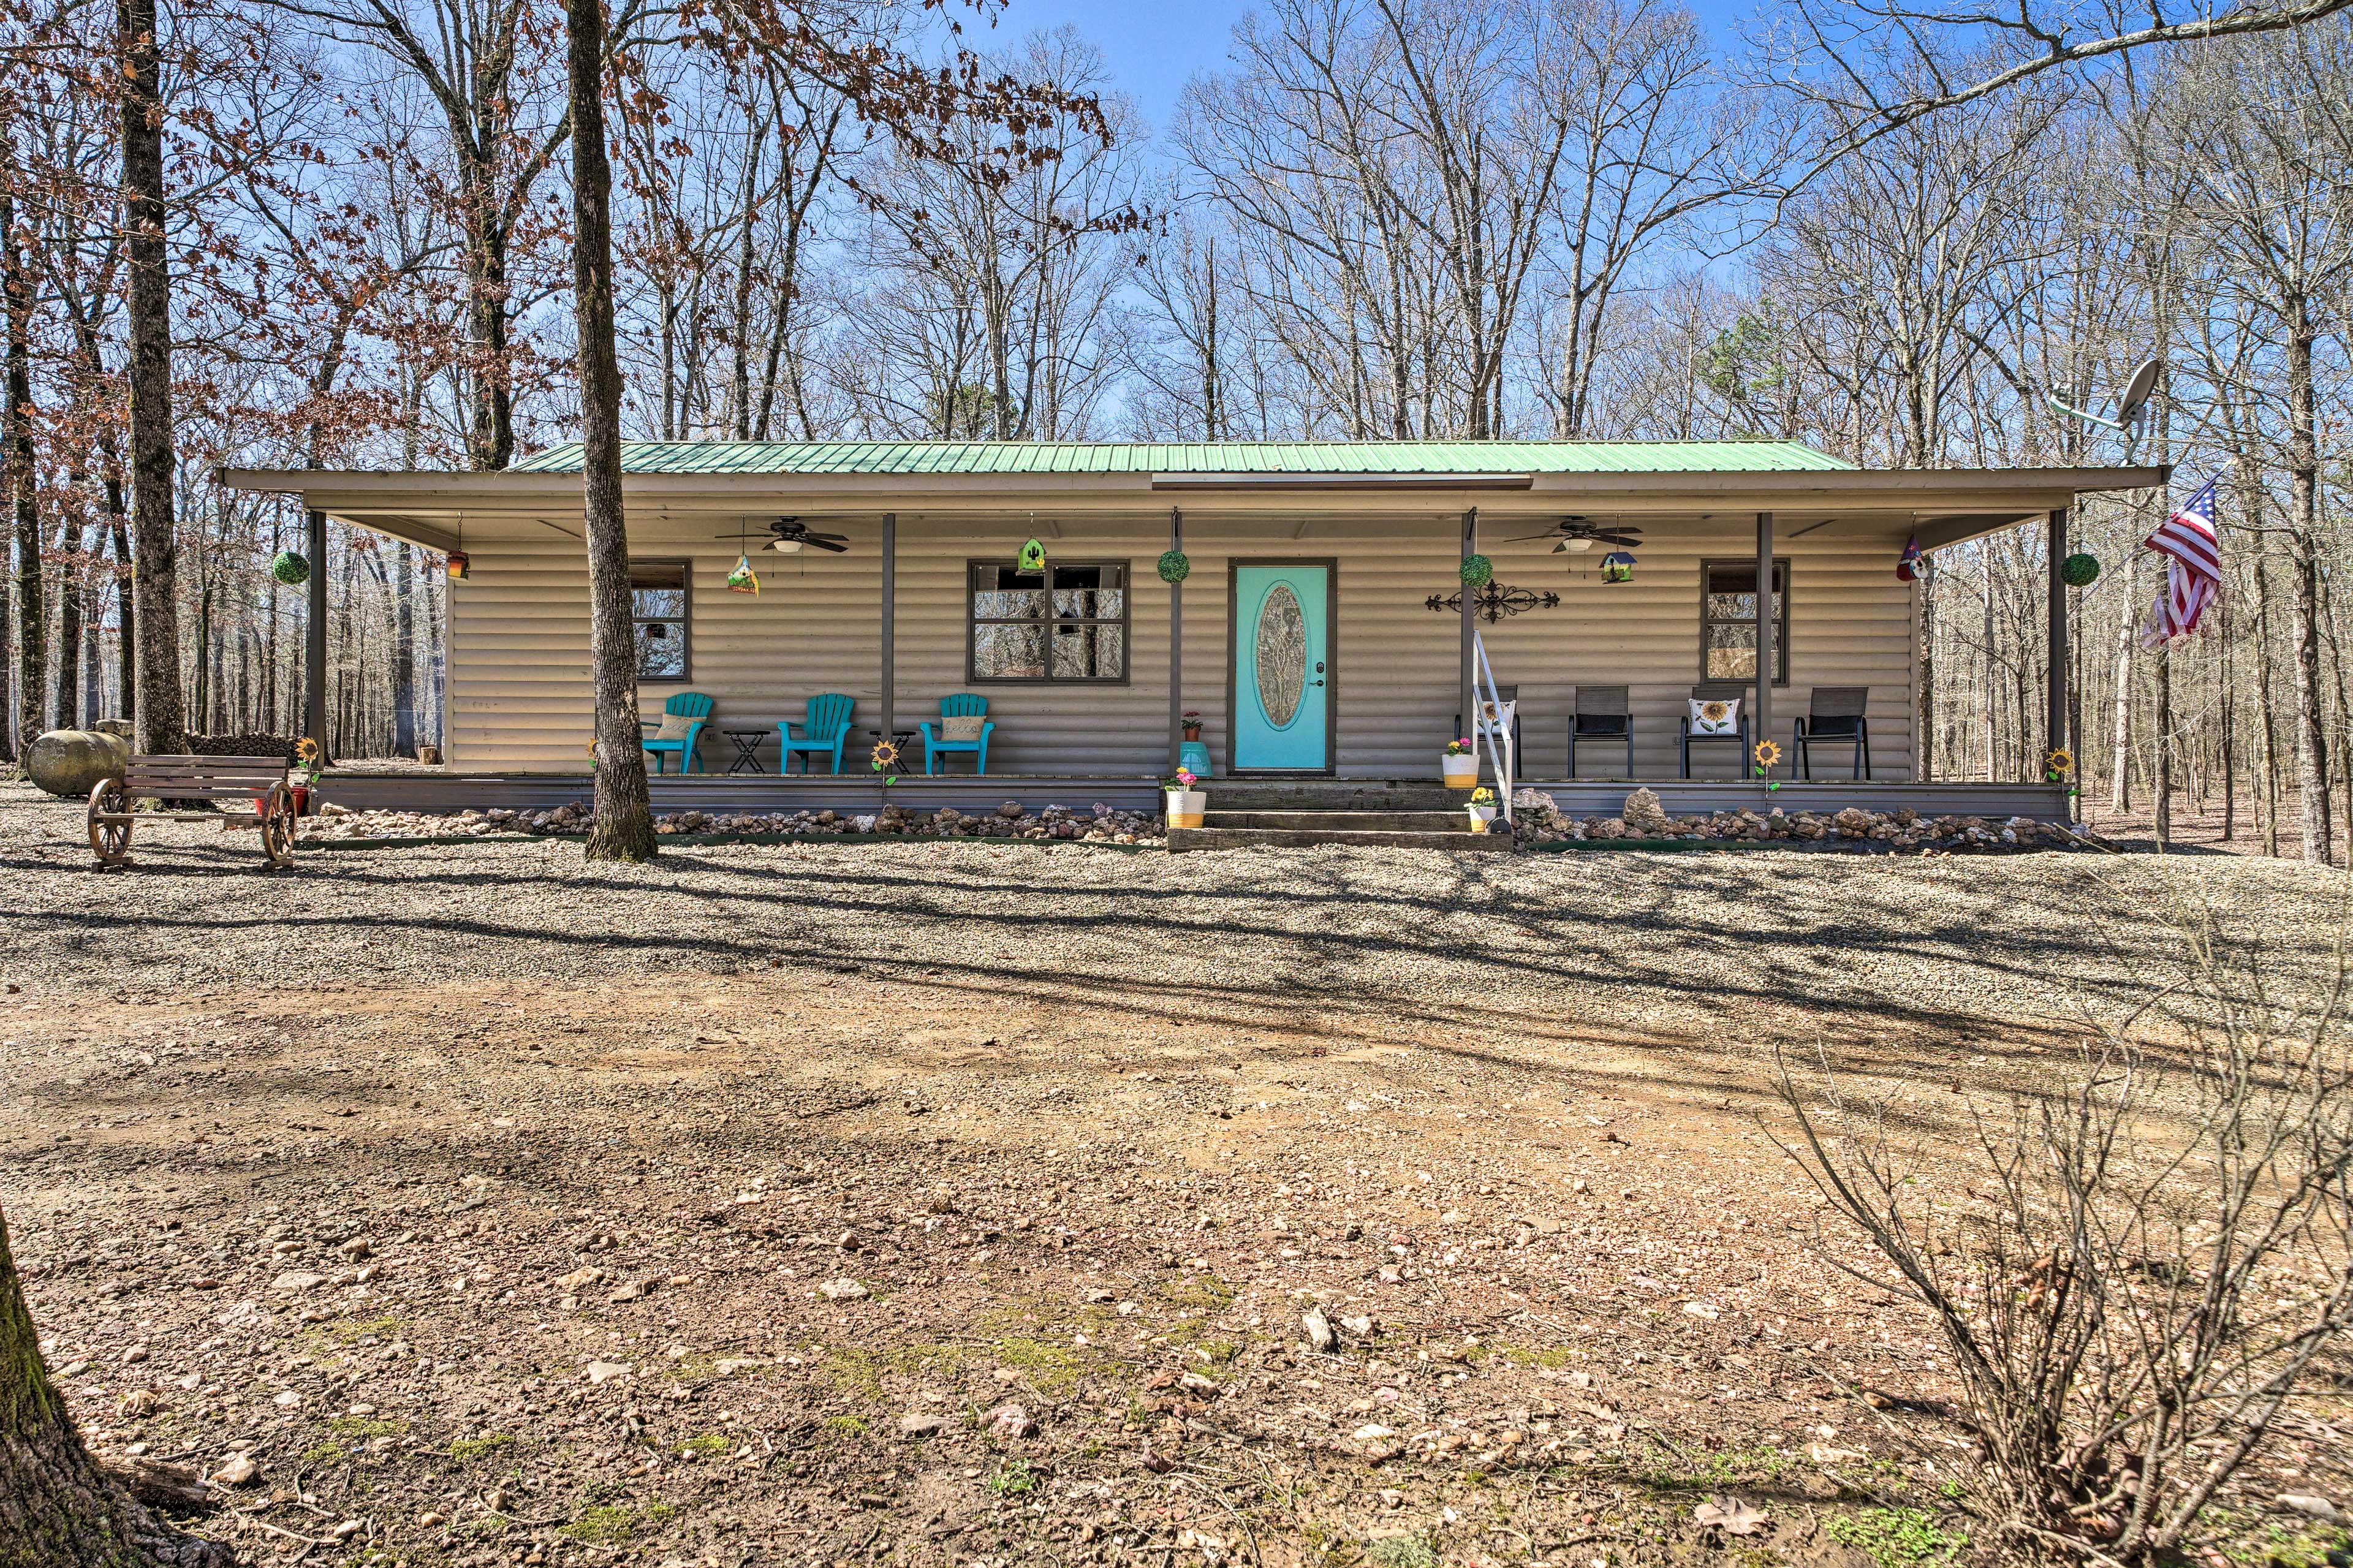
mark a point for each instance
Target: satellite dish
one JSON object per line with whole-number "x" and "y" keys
{"x": 2132, "y": 403}
{"x": 2138, "y": 387}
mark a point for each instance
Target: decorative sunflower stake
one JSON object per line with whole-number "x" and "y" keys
{"x": 1769, "y": 756}
{"x": 884, "y": 760}
{"x": 2059, "y": 768}
{"x": 313, "y": 758}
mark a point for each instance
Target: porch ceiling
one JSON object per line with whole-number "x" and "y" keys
{"x": 1947, "y": 505}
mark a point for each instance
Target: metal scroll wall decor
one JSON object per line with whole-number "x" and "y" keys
{"x": 1492, "y": 601}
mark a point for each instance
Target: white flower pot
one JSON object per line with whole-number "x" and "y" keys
{"x": 1481, "y": 815}
{"x": 1461, "y": 773}
{"x": 1185, "y": 806}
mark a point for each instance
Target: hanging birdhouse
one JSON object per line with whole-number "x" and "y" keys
{"x": 1033, "y": 557}
{"x": 743, "y": 580}
{"x": 1618, "y": 567}
{"x": 459, "y": 567}
{"x": 290, "y": 569}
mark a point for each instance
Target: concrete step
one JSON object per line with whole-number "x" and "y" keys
{"x": 1372, "y": 796}
{"x": 1320, "y": 821}
{"x": 1181, "y": 839}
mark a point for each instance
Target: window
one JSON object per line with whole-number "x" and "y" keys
{"x": 1727, "y": 621}
{"x": 1065, "y": 622}
{"x": 658, "y": 617}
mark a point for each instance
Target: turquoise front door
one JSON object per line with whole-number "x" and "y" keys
{"x": 1281, "y": 653}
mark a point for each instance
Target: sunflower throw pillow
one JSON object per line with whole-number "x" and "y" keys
{"x": 1715, "y": 716}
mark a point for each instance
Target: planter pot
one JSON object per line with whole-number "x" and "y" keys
{"x": 1192, "y": 731}
{"x": 1460, "y": 772}
{"x": 1481, "y": 815}
{"x": 301, "y": 793}
{"x": 1186, "y": 806}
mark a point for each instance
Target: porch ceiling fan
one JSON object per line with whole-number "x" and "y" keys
{"x": 788, "y": 534}
{"x": 1575, "y": 535}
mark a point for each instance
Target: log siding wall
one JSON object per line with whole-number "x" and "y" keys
{"x": 519, "y": 692}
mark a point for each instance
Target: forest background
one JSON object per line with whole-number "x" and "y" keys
{"x": 1377, "y": 219}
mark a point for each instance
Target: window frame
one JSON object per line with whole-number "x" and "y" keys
{"x": 1126, "y": 621}
{"x": 1780, "y": 622}
{"x": 684, "y": 619}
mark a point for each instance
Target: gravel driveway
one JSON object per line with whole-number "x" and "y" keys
{"x": 1343, "y": 937}
{"x": 968, "y": 1204}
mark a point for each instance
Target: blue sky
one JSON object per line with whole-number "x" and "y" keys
{"x": 1153, "y": 46}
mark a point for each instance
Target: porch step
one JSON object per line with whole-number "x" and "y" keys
{"x": 1373, "y": 795}
{"x": 1319, "y": 821}
{"x": 1181, "y": 839}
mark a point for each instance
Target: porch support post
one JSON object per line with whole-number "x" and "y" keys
{"x": 890, "y": 622}
{"x": 1176, "y": 648}
{"x": 314, "y": 635}
{"x": 1765, "y": 663}
{"x": 2054, "y": 707}
{"x": 1469, "y": 705}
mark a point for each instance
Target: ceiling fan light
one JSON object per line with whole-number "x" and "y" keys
{"x": 1576, "y": 546}
{"x": 787, "y": 546}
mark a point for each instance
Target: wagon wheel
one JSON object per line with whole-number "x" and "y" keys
{"x": 109, "y": 841}
{"x": 277, "y": 827}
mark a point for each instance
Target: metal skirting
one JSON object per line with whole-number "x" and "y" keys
{"x": 454, "y": 790}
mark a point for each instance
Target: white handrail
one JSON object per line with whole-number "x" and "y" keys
{"x": 1499, "y": 754}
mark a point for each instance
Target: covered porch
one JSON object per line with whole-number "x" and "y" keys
{"x": 1317, "y": 626}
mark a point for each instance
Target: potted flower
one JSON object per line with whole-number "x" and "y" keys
{"x": 1481, "y": 808}
{"x": 1186, "y": 804}
{"x": 1192, "y": 726}
{"x": 1460, "y": 763}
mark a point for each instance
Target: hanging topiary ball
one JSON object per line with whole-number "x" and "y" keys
{"x": 1477, "y": 571}
{"x": 1174, "y": 567}
{"x": 2080, "y": 571}
{"x": 291, "y": 568}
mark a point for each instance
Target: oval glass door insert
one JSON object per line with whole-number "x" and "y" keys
{"x": 1282, "y": 656}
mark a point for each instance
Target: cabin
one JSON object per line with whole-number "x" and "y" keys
{"x": 1312, "y": 611}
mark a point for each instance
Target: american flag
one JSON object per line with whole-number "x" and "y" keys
{"x": 2193, "y": 578}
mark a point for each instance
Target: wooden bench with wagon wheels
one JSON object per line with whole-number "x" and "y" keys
{"x": 259, "y": 781}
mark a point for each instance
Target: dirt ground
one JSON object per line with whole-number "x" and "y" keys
{"x": 944, "y": 1204}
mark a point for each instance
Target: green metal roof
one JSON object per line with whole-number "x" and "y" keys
{"x": 1198, "y": 457}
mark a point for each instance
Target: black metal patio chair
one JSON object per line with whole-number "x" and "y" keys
{"x": 1604, "y": 715}
{"x": 1835, "y": 719}
{"x": 1717, "y": 691}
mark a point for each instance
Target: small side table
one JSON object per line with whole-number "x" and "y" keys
{"x": 907, "y": 741}
{"x": 747, "y": 749}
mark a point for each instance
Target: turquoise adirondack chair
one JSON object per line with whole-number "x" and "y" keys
{"x": 692, "y": 705}
{"x": 963, "y": 705}
{"x": 827, "y": 728}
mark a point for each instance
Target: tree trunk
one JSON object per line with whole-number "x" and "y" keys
{"x": 17, "y": 462}
{"x": 70, "y": 576}
{"x": 58, "y": 1509}
{"x": 624, "y": 827}
{"x": 162, "y": 715}
{"x": 2267, "y": 795}
{"x": 2120, "y": 783}
{"x": 2160, "y": 781}
{"x": 126, "y": 615}
{"x": 404, "y": 653}
{"x": 2311, "y": 743}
